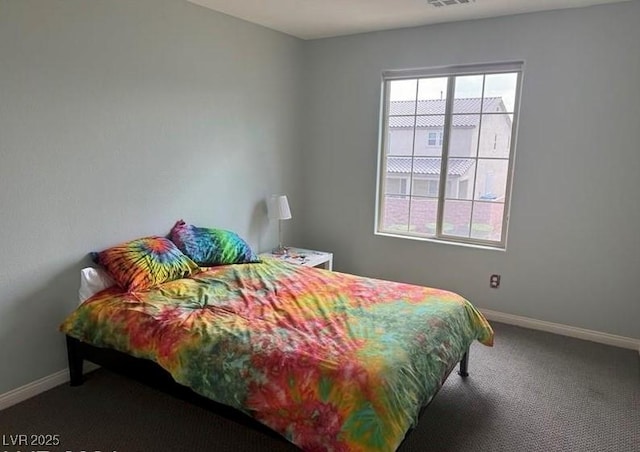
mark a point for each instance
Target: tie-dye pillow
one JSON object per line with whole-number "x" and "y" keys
{"x": 144, "y": 263}
{"x": 209, "y": 247}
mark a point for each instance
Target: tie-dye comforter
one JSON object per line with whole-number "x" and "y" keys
{"x": 329, "y": 360}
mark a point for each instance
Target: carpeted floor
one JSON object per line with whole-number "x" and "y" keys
{"x": 533, "y": 391}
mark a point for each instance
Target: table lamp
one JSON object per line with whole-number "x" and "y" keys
{"x": 278, "y": 209}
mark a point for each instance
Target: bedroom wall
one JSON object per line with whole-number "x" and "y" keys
{"x": 573, "y": 254}
{"x": 116, "y": 119}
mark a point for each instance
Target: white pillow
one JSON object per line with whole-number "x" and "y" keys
{"x": 92, "y": 281}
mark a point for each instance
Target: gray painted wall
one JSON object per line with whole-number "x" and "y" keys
{"x": 116, "y": 119}
{"x": 573, "y": 253}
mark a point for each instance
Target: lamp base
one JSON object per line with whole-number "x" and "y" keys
{"x": 280, "y": 251}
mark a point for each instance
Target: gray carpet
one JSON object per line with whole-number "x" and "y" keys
{"x": 533, "y": 391}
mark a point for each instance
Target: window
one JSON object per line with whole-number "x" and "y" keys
{"x": 447, "y": 134}
{"x": 434, "y": 138}
{"x": 424, "y": 187}
{"x": 396, "y": 186}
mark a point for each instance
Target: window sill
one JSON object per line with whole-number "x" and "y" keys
{"x": 441, "y": 241}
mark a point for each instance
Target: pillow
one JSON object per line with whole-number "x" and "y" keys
{"x": 145, "y": 263}
{"x": 92, "y": 281}
{"x": 210, "y": 247}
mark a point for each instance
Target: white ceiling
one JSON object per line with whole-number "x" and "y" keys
{"x": 311, "y": 19}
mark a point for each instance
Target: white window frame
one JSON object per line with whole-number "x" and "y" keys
{"x": 451, "y": 72}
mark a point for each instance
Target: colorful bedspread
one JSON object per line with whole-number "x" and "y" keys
{"x": 329, "y": 360}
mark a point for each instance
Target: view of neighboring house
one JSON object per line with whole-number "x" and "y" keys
{"x": 477, "y": 166}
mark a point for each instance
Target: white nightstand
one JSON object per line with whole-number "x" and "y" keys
{"x": 307, "y": 258}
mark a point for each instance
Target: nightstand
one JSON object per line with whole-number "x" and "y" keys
{"x": 307, "y": 258}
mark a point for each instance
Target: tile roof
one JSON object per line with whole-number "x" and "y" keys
{"x": 401, "y": 111}
{"x": 427, "y": 165}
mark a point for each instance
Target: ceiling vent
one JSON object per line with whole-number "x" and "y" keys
{"x": 439, "y": 3}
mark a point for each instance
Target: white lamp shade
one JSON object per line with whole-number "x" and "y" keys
{"x": 278, "y": 208}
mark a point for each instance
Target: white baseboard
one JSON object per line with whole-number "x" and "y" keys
{"x": 33, "y": 389}
{"x": 564, "y": 330}
{"x": 38, "y": 387}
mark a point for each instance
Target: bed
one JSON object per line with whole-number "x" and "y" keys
{"x": 330, "y": 361}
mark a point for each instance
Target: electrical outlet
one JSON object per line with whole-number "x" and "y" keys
{"x": 494, "y": 281}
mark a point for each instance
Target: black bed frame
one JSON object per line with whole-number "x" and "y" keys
{"x": 151, "y": 374}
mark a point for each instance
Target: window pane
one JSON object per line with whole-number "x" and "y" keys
{"x": 463, "y": 137}
{"x": 468, "y": 94}
{"x": 424, "y": 187}
{"x": 458, "y": 215}
{"x": 400, "y": 135}
{"x": 433, "y": 187}
{"x": 424, "y": 212}
{"x": 460, "y": 177}
{"x": 398, "y": 171}
{"x": 502, "y": 87}
{"x": 403, "y": 90}
{"x": 495, "y": 136}
{"x": 395, "y": 214}
{"x": 429, "y": 136}
{"x": 433, "y": 88}
{"x": 419, "y": 187}
{"x": 491, "y": 182}
{"x": 487, "y": 221}
{"x": 432, "y": 95}
{"x": 424, "y": 168}
{"x": 392, "y": 186}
